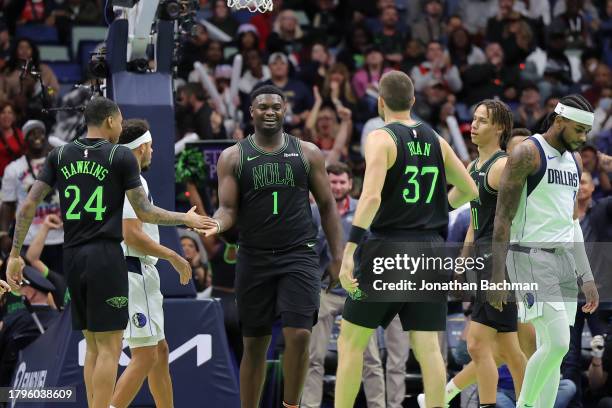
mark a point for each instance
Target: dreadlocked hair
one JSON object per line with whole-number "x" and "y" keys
{"x": 499, "y": 114}
{"x": 575, "y": 101}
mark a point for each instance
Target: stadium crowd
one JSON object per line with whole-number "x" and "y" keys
{"x": 327, "y": 57}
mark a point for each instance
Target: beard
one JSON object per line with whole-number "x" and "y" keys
{"x": 565, "y": 144}
{"x": 145, "y": 168}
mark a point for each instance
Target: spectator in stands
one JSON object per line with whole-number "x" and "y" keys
{"x": 476, "y": 13}
{"x": 265, "y": 21}
{"x": 248, "y": 39}
{"x": 603, "y": 113}
{"x": 197, "y": 115}
{"x": 534, "y": 10}
{"x": 432, "y": 26}
{"x": 326, "y": 22}
{"x": 574, "y": 25}
{"x": 201, "y": 276}
{"x": 604, "y": 37}
{"x": 192, "y": 50}
{"x": 365, "y": 80}
{"x": 315, "y": 70}
{"x": 591, "y": 164}
{"x": 355, "y": 45}
{"x": 498, "y": 25}
{"x": 286, "y": 36}
{"x": 462, "y": 52}
{"x": 18, "y": 178}
{"x": 74, "y": 12}
{"x": 11, "y": 138}
{"x": 255, "y": 72}
{"x": 33, "y": 255}
{"x": 337, "y": 88}
{"x": 323, "y": 130}
{"x": 5, "y": 47}
{"x": 332, "y": 304}
{"x": 390, "y": 39}
{"x": 22, "y": 89}
{"x": 213, "y": 57}
{"x": 222, "y": 18}
{"x": 589, "y": 61}
{"x": 602, "y": 79}
{"x": 414, "y": 54}
{"x": 600, "y": 369}
{"x": 492, "y": 79}
{"x": 530, "y": 111}
{"x": 297, "y": 95}
{"x": 19, "y": 12}
{"x": 19, "y": 329}
{"x": 437, "y": 68}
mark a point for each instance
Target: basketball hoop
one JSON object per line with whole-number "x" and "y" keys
{"x": 253, "y": 6}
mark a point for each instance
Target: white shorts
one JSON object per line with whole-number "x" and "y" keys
{"x": 555, "y": 275}
{"x": 145, "y": 305}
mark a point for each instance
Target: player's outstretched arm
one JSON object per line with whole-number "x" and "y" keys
{"x": 523, "y": 161}
{"x": 464, "y": 189}
{"x": 330, "y": 220}
{"x": 135, "y": 238}
{"x": 23, "y": 221}
{"x": 582, "y": 261}
{"x": 227, "y": 213}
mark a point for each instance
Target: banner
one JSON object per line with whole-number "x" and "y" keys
{"x": 200, "y": 363}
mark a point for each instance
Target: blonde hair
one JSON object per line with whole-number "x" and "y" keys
{"x": 287, "y": 13}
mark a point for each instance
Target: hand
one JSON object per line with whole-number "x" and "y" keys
{"x": 194, "y": 220}
{"x": 14, "y": 272}
{"x": 182, "y": 266}
{"x": 317, "y": 95}
{"x": 597, "y": 346}
{"x": 334, "y": 274}
{"x": 497, "y": 298}
{"x": 52, "y": 221}
{"x": 334, "y": 86}
{"x": 4, "y": 287}
{"x": 210, "y": 228}
{"x": 344, "y": 113}
{"x": 605, "y": 161}
{"x": 216, "y": 120}
{"x": 348, "y": 282}
{"x": 592, "y": 297}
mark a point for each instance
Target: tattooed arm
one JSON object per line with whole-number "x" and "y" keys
{"x": 151, "y": 214}
{"x": 15, "y": 265}
{"x": 523, "y": 161}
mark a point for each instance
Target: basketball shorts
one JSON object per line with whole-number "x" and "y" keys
{"x": 555, "y": 276}
{"x": 145, "y": 305}
{"x": 280, "y": 283}
{"x": 417, "y": 316}
{"x": 96, "y": 275}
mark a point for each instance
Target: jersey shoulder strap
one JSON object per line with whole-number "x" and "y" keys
{"x": 298, "y": 147}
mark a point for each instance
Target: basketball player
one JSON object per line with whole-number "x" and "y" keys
{"x": 264, "y": 183}
{"x": 400, "y": 201}
{"x": 145, "y": 331}
{"x": 94, "y": 175}
{"x": 538, "y": 236}
{"x": 491, "y": 333}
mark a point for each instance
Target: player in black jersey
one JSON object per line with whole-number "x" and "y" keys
{"x": 492, "y": 334}
{"x": 93, "y": 175}
{"x": 404, "y": 199}
{"x": 264, "y": 184}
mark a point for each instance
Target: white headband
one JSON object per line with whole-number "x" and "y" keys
{"x": 577, "y": 115}
{"x": 146, "y": 138}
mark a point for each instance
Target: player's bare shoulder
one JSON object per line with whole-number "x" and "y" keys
{"x": 229, "y": 160}
{"x": 524, "y": 159}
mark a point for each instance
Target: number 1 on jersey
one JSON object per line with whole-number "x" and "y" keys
{"x": 275, "y": 196}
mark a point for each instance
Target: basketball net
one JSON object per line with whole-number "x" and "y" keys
{"x": 253, "y": 6}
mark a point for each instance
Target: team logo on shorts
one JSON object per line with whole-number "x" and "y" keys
{"x": 529, "y": 299}
{"x": 117, "y": 301}
{"x": 139, "y": 320}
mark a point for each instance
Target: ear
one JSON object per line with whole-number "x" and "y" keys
{"x": 251, "y": 110}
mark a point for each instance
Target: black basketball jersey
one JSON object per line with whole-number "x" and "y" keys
{"x": 414, "y": 194}
{"x": 92, "y": 176}
{"x": 483, "y": 207}
{"x": 274, "y": 208}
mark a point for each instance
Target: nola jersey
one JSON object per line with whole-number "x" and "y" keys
{"x": 414, "y": 193}
{"x": 546, "y": 210}
{"x": 151, "y": 230}
{"x": 274, "y": 208}
{"x": 92, "y": 176}
{"x": 483, "y": 207}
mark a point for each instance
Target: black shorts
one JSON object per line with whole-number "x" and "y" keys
{"x": 270, "y": 284}
{"x": 98, "y": 282}
{"x": 418, "y": 316}
{"x": 503, "y": 322}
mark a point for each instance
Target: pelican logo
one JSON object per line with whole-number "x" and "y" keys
{"x": 117, "y": 302}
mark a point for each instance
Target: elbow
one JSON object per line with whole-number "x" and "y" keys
{"x": 371, "y": 201}
{"x": 130, "y": 239}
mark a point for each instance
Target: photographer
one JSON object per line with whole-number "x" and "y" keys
{"x": 16, "y": 182}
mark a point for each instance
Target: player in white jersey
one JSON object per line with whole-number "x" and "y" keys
{"x": 145, "y": 330}
{"x": 538, "y": 236}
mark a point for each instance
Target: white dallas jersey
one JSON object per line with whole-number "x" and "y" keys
{"x": 545, "y": 215}
{"x": 150, "y": 229}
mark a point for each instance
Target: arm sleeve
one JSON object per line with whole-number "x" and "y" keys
{"x": 128, "y": 168}
{"x": 9, "y": 184}
{"x": 48, "y": 174}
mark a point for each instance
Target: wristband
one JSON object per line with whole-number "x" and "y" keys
{"x": 218, "y": 225}
{"x": 356, "y": 235}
